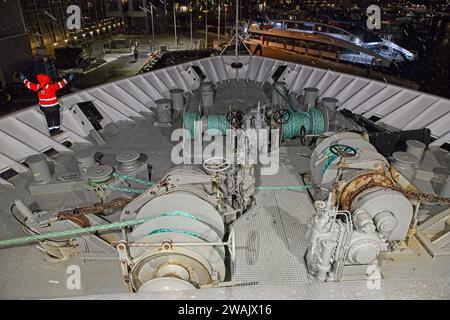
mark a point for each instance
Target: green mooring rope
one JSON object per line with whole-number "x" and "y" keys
{"x": 124, "y": 189}
{"x": 292, "y": 128}
{"x": 134, "y": 179}
{"x": 331, "y": 157}
{"x": 123, "y": 224}
{"x": 218, "y": 122}
{"x": 121, "y": 189}
{"x": 179, "y": 213}
{"x": 102, "y": 227}
{"x": 189, "y": 233}
{"x": 318, "y": 121}
{"x": 293, "y": 187}
{"x": 73, "y": 232}
{"x": 190, "y": 118}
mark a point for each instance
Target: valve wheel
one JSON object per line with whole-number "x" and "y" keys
{"x": 235, "y": 118}
{"x": 281, "y": 116}
{"x": 343, "y": 151}
{"x": 216, "y": 164}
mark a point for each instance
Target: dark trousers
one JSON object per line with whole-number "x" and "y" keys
{"x": 52, "y": 116}
{"x": 258, "y": 49}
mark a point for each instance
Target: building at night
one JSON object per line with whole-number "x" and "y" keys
{"x": 13, "y": 34}
{"x": 135, "y": 13}
{"x": 38, "y": 27}
{"x": 46, "y": 22}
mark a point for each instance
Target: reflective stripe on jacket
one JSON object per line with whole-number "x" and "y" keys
{"x": 46, "y": 92}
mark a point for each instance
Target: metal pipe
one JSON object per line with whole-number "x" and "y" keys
{"x": 325, "y": 262}
{"x": 416, "y": 148}
{"x": 23, "y": 209}
{"x": 310, "y": 98}
{"x": 331, "y": 105}
{"x": 39, "y": 168}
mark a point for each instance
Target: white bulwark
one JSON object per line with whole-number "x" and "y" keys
{"x": 25, "y": 133}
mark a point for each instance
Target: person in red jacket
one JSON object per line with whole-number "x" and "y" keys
{"x": 48, "y": 101}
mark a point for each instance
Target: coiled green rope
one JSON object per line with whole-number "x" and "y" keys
{"x": 179, "y": 213}
{"x": 291, "y": 129}
{"x": 317, "y": 120}
{"x": 189, "y": 233}
{"x": 190, "y": 118}
{"x": 218, "y": 122}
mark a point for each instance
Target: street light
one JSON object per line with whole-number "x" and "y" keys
{"x": 190, "y": 9}
{"x": 153, "y": 23}
{"x": 206, "y": 24}
{"x": 237, "y": 31}
{"x": 262, "y": 7}
{"x": 175, "y": 23}
{"x": 225, "y": 18}
{"x": 151, "y": 15}
{"x": 218, "y": 26}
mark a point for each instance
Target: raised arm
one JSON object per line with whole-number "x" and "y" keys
{"x": 61, "y": 84}
{"x": 30, "y": 85}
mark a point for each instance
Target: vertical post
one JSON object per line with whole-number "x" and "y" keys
{"x": 191, "y": 24}
{"x": 63, "y": 20}
{"x": 225, "y": 18}
{"x": 153, "y": 23}
{"x": 218, "y": 26}
{"x": 175, "y": 24}
{"x": 96, "y": 12}
{"x": 41, "y": 37}
{"x": 206, "y": 26}
{"x": 2, "y": 79}
{"x": 53, "y": 33}
{"x": 165, "y": 15}
{"x": 237, "y": 30}
{"x": 144, "y": 8}
{"x": 122, "y": 16}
